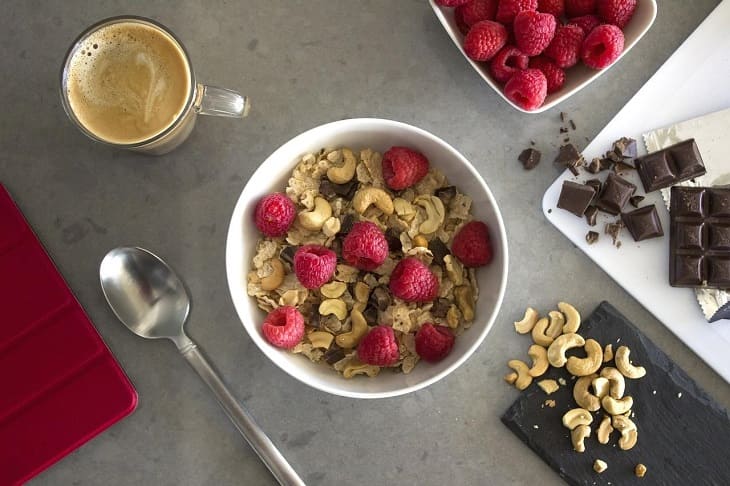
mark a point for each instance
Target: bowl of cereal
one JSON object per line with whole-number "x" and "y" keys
{"x": 367, "y": 258}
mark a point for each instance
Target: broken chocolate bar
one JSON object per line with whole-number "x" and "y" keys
{"x": 643, "y": 223}
{"x": 575, "y": 197}
{"x": 529, "y": 158}
{"x": 615, "y": 194}
{"x": 666, "y": 167}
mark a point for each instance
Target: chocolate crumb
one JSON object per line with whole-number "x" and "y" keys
{"x": 594, "y": 167}
{"x": 287, "y": 254}
{"x": 439, "y": 250}
{"x": 563, "y": 130}
{"x": 625, "y": 147}
{"x": 530, "y": 158}
{"x": 572, "y": 124}
{"x": 591, "y": 237}
{"x": 393, "y": 239}
{"x": 614, "y": 230}
{"x": 636, "y": 200}
{"x": 566, "y": 139}
{"x": 605, "y": 164}
{"x": 622, "y": 166}
{"x": 591, "y": 214}
{"x": 562, "y": 116}
{"x": 595, "y": 184}
{"x": 333, "y": 355}
{"x": 573, "y": 169}
{"x": 532, "y": 142}
{"x": 346, "y": 223}
{"x": 446, "y": 194}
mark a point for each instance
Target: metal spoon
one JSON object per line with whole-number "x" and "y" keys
{"x": 149, "y": 298}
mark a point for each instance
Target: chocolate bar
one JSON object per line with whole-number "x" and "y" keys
{"x": 666, "y": 167}
{"x": 699, "y": 238}
{"x": 615, "y": 194}
{"x": 643, "y": 223}
{"x": 575, "y": 197}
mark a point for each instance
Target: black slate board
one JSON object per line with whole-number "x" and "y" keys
{"x": 684, "y": 436}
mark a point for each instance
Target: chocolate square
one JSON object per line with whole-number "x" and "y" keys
{"x": 575, "y": 197}
{"x": 615, "y": 194}
{"x": 671, "y": 165}
{"x": 643, "y": 223}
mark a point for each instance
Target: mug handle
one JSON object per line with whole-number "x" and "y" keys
{"x": 221, "y": 102}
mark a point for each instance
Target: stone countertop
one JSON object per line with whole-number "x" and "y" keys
{"x": 303, "y": 63}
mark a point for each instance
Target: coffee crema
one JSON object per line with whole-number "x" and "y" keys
{"x": 127, "y": 82}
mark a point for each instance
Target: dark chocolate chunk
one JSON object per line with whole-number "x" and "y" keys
{"x": 699, "y": 237}
{"x": 334, "y": 354}
{"x": 613, "y": 156}
{"x": 314, "y": 320}
{"x": 530, "y": 158}
{"x": 625, "y": 147}
{"x": 569, "y": 156}
{"x": 636, "y": 200}
{"x": 667, "y": 167}
{"x": 605, "y": 163}
{"x": 393, "y": 238}
{"x": 563, "y": 130}
{"x": 287, "y": 254}
{"x": 562, "y": 116}
{"x": 337, "y": 248}
{"x": 439, "y": 250}
{"x": 621, "y": 167}
{"x": 595, "y": 184}
{"x": 331, "y": 190}
{"x": 614, "y": 230}
{"x": 591, "y": 215}
{"x": 591, "y": 237}
{"x": 575, "y": 197}
{"x": 615, "y": 194}
{"x": 346, "y": 222}
{"x": 380, "y": 298}
{"x": 643, "y": 223}
{"x": 572, "y": 124}
{"x": 595, "y": 166}
{"x": 446, "y": 193}
{"x": 440, "y": 308}
{"x": 371, "y": 315}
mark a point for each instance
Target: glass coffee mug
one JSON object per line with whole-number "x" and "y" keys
{"x": 128, "y": 82}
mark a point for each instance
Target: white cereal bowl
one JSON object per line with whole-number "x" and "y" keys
{"x": 379, "y": 135}
{"x": 577, "y": 77}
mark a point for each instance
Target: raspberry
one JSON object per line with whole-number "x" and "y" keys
{"x": 476, "y": 11}
{"x": 484, "y": 40}
{"x": 284, "y": 327}
{"x": 412, "y": 281}
{"x": 507, "y": 62}
{"x": 314, "y": 265}
{"x": 451, "y": 3}
{"x": 554, "y": 75}
{"x": 554, "y": 7}
{"x": 564, "y": 49}
{"x": 576, "y": 8}
{"x": 471, "y": 244}
{"x": 534, "y": 31}
{"x": 527, "y": 89}
{"x": 433, "y": 343}
{"x": 460, "y": 24}
{"x": 586, "y": 22}
{"x": 403, "y": 167}
{"x": 274, "y": 213}
{"x": 379, "y": 347}
{"x": 508, "y": 9}
{"x": 365, "y": 246}
{"x": 616, "y": 12}
{"x": 602, "y": 46}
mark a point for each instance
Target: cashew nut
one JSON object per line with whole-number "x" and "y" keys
{"x": 617, "y": 407}
{"x": 538, "y": 332}
{"x": 453, "y": 316}
{"x": 314, "y": 220}
{"x": 523, "y": 373}
{"x": 548, "y": 386}
{"x": 556, "y": 351}
{"x": 599, "y": 466}
{"x": 276, "y": 277}
{"x": 320, "y": 339}
{"x": 404, "y": 209}
{"x": 608, "y": 353}
{"x": 331, "y": 227}
{"x": 335, "y": 307}
{"x": 454, "y": 269}
{"x": 362, "y": 292}
{"x": 435, "y": 213}
{"x": 359, "y": 329}
{"x": 624, "y": 364}
{"x": 419, "y": 240}
{"x": 342, "y": 175}
{"x": 577, "y": 416}
{"x": 572, "y": 317}
{"x": 604, "y": 430}
{"x": 372, "y": 195}
{"x": 629, "y": 434}
{"x": 539, "y": 360}
{"x": 528, "y": 322}
{"x": 557, "y": 321}
{"x": 583, "y": 397}
{"x": 464, "y": 297}
{"x": 618, "y": 385}
{"x": 577, "y": 435}
{"x": 355, "y": 367}
{"x": 333, "y": 289}
{"x": 600, "y": 387}
{"x": 640, "y": 470}
{"x": 589, "y": 364}
{"x": 510, "y": 378}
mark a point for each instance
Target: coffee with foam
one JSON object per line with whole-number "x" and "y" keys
{"x": 128, "y": 82}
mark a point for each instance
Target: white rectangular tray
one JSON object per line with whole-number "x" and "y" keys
{"x": 693, "y": 82}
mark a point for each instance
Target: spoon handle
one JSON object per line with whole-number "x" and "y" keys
{"x": 244, "y": 422}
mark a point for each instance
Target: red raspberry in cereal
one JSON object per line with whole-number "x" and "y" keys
{"x": 459, "y": 19}
{"x": 527, "y": 89}
{"x": 508, "y": 9}
{"x": 586, "y": 22}
{"x": 476, "y": 11}
{"x": 379, "y": 347}
{"x": 616, "y": 12}
{"x": 484, "y": 40}
{"x": 434, "y": 343}
{"x": 507, "y": 62}
{"x": 576, "y": 8}
{"x": 451, "y": 3}
{"x": 564, "y": 49}
{"x": 534, "y": 31}
{"x": 403, "y": 167}
{"x": 602, "y": 46}
{"x": 554, "y": 75}
{"x": 274, "y": 214}
{"x": 554, "y": 7}
{"x": 365, "y": 246}
{"x": 284, "y": 327}
{"x": 314, "y": 265}
{"x": 413, "y": 281}
{"x": 472, "y": 246}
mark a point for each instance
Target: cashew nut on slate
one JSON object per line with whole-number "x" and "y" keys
{"x": 314, "y": 220}
{"x": 344, "y": 174}
{"x": 539, "y": 360}
{"x": 538, "y": 332}
{"x": 572, "y": 317}
{"x": 435, "y": 213}
{"x": 510, "y": 378}
{"x": 548, "y": 386}
{"x": 528, "y": 322}
{"x": 276, "y": 277}
{"x": 589, "y": 364}
{"x": 599, "y": 466}
{"x": 604, "y": 430}
{"x": 624, "y": 364}
{"x": 608, "y": 353}
{"x": 617, "y": 407}
{"x": 359, "y": 329}
{"x": 335, "y": 307}
{"x": 556, "y": 351}
{"x": 577, "y": 435}
{"x": 523, "y": 373}
{"x": 640, "y": 470}
{"x": 616, "y": 380}
{"x": 577, "y": 416}
{"x": 372, "y": 195}
{"x": 557, "y": 321}
{"x": 629, "y": 434}
{"x": 600, "y": 387}
{"x": 320, "y": 339}
{"x": 583, "y": 397}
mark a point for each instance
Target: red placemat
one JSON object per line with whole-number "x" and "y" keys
{"x": 61, "y": 385}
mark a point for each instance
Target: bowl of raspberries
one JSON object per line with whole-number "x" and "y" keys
{"x": 367, "y": 258}
{"x": 537, "y": 53}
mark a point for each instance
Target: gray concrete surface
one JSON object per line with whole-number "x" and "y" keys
{"x": 303, "y": 62}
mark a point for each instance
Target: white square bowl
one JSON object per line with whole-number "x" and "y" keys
{"x": 577, "y": 77}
